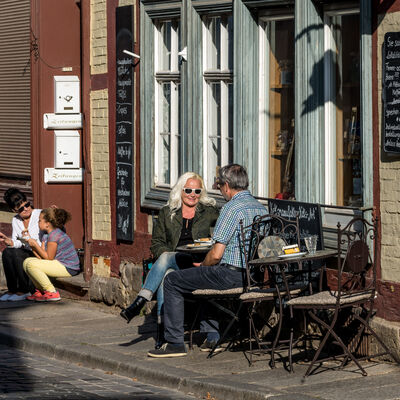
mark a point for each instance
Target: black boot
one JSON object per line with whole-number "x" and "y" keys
{"x": 160, "y": 336}
{"x": 134, "y": 309}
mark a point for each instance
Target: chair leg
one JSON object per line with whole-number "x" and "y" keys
{"x": 235, "y": 318}
{"x": 322, "y": 344}
{"x": 290, "y": 354}
{"x": 192, "y": 326}
{"x": 278, "y": 333}
{"x": 252, "y": 330}
{"x": 330, "y": 331}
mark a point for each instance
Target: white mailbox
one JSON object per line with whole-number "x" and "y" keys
{"x": 66, "y": 146}
{"x": 66, "y": 94}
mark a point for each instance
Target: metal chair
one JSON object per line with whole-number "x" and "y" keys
{"x": 354, "y": 296}
{"x": 273, "y": 283}
{"x": 259, "y": 284}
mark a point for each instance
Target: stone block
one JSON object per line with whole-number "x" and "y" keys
{"x": 114, "y": 291}
{"x": 389, "y": 333}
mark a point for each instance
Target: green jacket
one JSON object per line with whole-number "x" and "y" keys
{"x": 166, "y": 232}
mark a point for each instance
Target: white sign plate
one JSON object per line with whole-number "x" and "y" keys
{"x": 62, "y": 121}
{"x": 54, "y": 175}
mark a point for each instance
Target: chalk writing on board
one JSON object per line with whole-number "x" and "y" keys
{"x": 310, "y": 223}
{"x": 124, "y": 125}
{"x": 391, "y": 92}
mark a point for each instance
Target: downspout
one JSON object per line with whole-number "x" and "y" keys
{"x": 85, "y": 94}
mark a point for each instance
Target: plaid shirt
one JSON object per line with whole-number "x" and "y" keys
{"x": 242, "y": 206}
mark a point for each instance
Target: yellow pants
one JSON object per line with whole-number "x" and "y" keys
{"x": 39, "y": 271}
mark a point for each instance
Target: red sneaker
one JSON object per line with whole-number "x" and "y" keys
{"x": 35, "y": 295}
{"x": 49, "y": 296}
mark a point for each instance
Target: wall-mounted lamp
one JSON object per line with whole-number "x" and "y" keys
{"x": 183, "y": 54}
{"x": 131, "y": 54}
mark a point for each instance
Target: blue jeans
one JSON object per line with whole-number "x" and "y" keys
{"x": 154, "y": 281}
{"x": 179, "y": 283}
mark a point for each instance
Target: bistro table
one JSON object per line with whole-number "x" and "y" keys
{"x": 281, "y": 263}
{"x": 194, "y": 249}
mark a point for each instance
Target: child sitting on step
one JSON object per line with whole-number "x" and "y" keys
{"x": 55, "y": 258}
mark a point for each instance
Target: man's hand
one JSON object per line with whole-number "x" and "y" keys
{"x": 5, "y": 239}
{"x": 214, "y": 255}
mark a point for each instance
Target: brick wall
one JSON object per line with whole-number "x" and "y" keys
{"x": 101, "y": 210}
{"x": 98, "y": 36}
{"x": 126, "y": 3}
{"x": 389, "y": 174}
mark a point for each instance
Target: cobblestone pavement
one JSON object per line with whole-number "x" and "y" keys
{"x": 27, "y": 376}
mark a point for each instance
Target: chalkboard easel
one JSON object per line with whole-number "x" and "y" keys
{"x": 310, "y": 220}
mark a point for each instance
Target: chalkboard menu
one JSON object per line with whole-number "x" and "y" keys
{"x": 391, "y": 92}
{"x": 124, "y": 124}
{"x": 310, "y": 221}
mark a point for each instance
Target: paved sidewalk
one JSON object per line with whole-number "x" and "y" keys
{"x": 84, "y": 333}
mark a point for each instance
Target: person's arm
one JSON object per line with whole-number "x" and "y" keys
{"x": 213, "y": 256}
{"x": 6, "y": 240}
{"x": 40, "y": 251}
{"x": 159, "y": 236}
{"x": 17, "y": 228}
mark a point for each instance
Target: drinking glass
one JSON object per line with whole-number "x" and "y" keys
{"x": 311, "y": 243}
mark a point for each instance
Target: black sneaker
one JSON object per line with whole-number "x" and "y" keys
{"x": 208, "y": 346}
{"x": 168, "y": 350}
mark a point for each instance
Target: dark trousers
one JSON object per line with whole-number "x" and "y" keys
{"x": 179, "y": 283}
{"x": 17, "y": 279}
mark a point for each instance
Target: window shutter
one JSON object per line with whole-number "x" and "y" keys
{"x": 15, "y": 78}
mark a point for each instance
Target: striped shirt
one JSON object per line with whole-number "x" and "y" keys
{"x": 66, "y": 253}
{"x": 242, "y": 206}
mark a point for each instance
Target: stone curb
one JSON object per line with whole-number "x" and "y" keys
{"x": 152, "y": 376}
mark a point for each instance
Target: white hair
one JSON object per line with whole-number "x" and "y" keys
{"x": 175, "y": 197}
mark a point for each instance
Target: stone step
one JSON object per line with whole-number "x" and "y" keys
{"x": 74, "y": 287}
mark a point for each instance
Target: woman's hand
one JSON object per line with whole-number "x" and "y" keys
{"x": 33, "y": 243}
{"x": 6, "y": 240}
{"x": 196, "y": 264}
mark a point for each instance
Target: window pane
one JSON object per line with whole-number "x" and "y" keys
{"x": 230, "y": 45}
{"x": 280, "y": 112}
{"x": 165, "y": 56}
{"x": 218, "y": 94}
{"x": 165, "y": 134}
{"x": 346, "y": 78}
{"x": 230, "y": 124}
{"x": 214, "y": 130}
{"x": 214, "y": 59}
{"x": 167, "y": 100}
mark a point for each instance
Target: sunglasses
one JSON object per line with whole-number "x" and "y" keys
{"x": 217, "y": 184}
{"x": 190, "y": 191}
{"x": 26, "y": 205}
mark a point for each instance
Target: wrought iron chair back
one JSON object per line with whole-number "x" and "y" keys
{"x": 356, "y": 261}
{"x": 265, "y": 226}
{"x": 351, "y": 301}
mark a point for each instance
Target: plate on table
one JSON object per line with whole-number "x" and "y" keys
{"x": 271, "y": 246}
{"x": 204, "y": 241}
{"x": 292, "y": 255}
{"x": 198, "y": 245}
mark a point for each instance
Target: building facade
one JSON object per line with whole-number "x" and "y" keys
{"x": 291, "y": 89}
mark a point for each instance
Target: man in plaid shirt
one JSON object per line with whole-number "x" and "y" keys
{"x": 222, "y": 267}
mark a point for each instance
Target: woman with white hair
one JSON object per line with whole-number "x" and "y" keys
{"x": 188, "y": 215}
